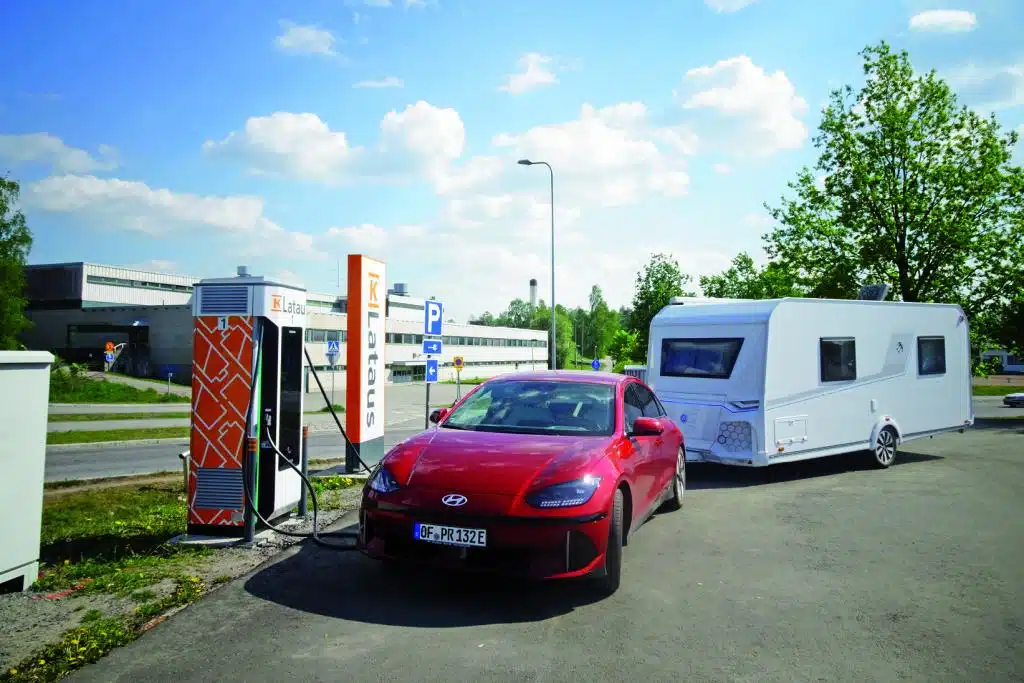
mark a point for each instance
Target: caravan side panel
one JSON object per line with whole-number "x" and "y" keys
{"x": 838, "y": 371}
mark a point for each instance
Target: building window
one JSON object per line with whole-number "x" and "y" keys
{"x": 931, "y": 355}
{"x": 136, "y": 284}
{"x": 838, "y": 359}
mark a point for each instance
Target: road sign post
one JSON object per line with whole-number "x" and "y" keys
{"x": 458, "y": 362}
{"x": 433, "y": 325}
{"x": 333, "y": 354}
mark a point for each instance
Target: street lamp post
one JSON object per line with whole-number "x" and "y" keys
{"x": 554, "y": 332}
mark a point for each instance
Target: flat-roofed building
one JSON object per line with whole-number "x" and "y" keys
{"x": 77, "y": 307}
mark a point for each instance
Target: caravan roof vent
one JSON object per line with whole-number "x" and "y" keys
{"x": 875, "y": 292}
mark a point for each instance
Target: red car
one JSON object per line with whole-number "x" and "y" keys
{"x": 543, "y": 475}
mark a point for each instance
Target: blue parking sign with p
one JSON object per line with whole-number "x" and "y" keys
{"x": 432, "y": 311}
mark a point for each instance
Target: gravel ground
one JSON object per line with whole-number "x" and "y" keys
{"x": 29, "y": 620}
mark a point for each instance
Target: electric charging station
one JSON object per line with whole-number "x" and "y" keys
{"x": 247, "y": 369}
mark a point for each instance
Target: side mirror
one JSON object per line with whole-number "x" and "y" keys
{"x": 647, "y": 426}
{"x": 439, "y": 414}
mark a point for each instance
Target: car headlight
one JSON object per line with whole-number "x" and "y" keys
{"x": 567, "y": 494}
{"x": 383, "y": 481}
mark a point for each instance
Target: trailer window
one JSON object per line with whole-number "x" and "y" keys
{"x": 838, "y": 360}
{"x": 708, "y": 358}
{"x": 931, "y": 355}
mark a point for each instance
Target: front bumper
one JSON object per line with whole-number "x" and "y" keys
{"x": 529, "y": 547}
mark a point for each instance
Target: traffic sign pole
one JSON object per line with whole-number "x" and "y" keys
{"x": 433, "y": 314}
{"x": 426, "y": 418}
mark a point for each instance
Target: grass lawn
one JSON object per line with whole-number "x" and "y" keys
{"x": 86, "y": 390}
{"x": 102, "y": 417}
{"x": 113, "y": 540}
{"x": 996, "y": 390}
{"x": 100, "y": 435}
{"x": 110, "y": 541}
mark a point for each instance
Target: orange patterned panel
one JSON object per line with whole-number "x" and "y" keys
{"x": 222, "y": 363}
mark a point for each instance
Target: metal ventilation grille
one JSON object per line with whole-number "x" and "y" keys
{"x": 219, "y": 489}
{"x": 224, "y": 300}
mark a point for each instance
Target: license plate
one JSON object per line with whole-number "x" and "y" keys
{"x": 450, "y": 535}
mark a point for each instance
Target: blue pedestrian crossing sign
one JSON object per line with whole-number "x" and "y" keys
{"x": 431, "y": 373}
{"x": 596, "y": 364}
{"x": 432, "y": 347}
{"x": 333, "y": 351}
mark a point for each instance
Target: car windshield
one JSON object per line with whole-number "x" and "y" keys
{"x": 539, "y": 407}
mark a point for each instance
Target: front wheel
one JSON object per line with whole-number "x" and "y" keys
{"x": 884, "y": 450}
{"x": 609, "y": 583}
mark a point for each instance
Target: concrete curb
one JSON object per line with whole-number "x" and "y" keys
{"x": 184, "y": 440}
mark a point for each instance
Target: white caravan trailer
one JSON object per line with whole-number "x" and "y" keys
{"x": 763, "y": 382}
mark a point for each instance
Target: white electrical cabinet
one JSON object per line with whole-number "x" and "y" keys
{"x": 24, "y": 404}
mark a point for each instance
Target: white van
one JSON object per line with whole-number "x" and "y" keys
{"x": 757, "y": 383}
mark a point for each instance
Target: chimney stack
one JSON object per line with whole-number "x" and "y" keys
{"x": 533, "y": 292}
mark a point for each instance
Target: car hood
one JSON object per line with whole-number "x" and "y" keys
{"x": 491, "y": 462}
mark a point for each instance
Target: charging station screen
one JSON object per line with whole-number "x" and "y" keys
{"x": 291, "y": 394}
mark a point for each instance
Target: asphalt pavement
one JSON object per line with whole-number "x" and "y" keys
{"x": 95, "y": 462}
{"x": 827, "y": 570}
{"x": 405, "y": 418}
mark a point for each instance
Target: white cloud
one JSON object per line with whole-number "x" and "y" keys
{"x": 43, "y": 148}
{"x": 535, "y": 71}
{"x": 728, "y": 5}
{"x": 992, "y": 86}
{"x": 415, "y": 141}
{"x": 607, "y": 157}
{"x": 296, "y": 145}
{"x": 386, "y": 82}
{"x": 378, "y": 3}
{"x": 299, "y": 39}
{"x": 415, "y": 3}
{"x": 133, "y": 206}
{"x": 944, "y": 21}
{"x": 765, "y": 106}
{"x": 722, "y": 169}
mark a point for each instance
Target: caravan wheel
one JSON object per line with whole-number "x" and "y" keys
{"x": 885, "y": 447}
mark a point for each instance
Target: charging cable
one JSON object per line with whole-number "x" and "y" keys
{"x": 315, "y": 533}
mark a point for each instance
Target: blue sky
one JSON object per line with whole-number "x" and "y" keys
{"x": 194, "y": 137}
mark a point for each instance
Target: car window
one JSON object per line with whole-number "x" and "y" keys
{"x": 648, "y": 404}
{"x": 537, "y": 406}
{"x": 631, "y": 407}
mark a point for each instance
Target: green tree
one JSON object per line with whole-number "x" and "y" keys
{"x": 744, "y": 280}
{"x": 603, "y": 324}
{"x": 563, "y": 321}
{"x": 15, "y": 243}
{"x": 624, "y": 349}
{"x": 919, "y": 193}
{"x": 660, "y": 280}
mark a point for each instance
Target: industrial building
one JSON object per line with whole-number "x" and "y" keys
{"x": 76, "y": 308}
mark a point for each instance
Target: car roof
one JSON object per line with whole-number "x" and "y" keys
{"x": 563, "y": 376}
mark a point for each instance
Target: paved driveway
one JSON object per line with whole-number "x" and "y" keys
{"x": 820, "y": 571}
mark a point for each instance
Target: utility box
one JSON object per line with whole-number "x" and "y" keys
{"x": 24, "y": 404}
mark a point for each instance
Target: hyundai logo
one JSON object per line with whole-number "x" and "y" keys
{"x": 454, "y": 500}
